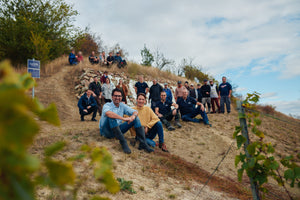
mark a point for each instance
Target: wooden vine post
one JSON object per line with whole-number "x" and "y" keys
{"x": 243, "y": 123}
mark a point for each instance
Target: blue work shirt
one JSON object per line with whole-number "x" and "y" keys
{"x": 169, "y": 94}
{"x": 164, "y": 108}
{"x": 186, "y": 106}
{"x": 123, "y": 109}
{"x": 141, "y": 87}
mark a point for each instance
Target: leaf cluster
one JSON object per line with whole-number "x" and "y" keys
{"x": 258, "y": 160}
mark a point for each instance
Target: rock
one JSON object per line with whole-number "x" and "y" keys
{"x": 78, "y": 87}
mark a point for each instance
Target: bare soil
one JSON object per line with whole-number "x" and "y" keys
{"x": 195, "y": 151}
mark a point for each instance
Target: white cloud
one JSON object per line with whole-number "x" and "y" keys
{"x": 269, "y": 95}
{"x": 287, "y": 107}
{"x": 240, "y": 89}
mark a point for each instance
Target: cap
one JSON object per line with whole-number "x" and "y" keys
{"x": 179, "y": 82}
{"x": 186, "y": 82}
{"x": 192, "y": 84}
{"x": 118, "y": 53}
{"x": 166, "y": 84}
{"x": 205, "y": 80}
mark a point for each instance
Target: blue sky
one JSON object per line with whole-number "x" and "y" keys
{"x": 255, "y": 43}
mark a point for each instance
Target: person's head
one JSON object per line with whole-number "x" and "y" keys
{"x": 166, "y": 85}
{"x": 192, "y": 86}
{"x": 141, "y": 79}
{"x": 80, "y": 53}
{"x": 163, "y": 96}
{"x": 118, "y": 53}
{"x": 73, "y": 51}
{"x": 88, "y": 93}
{"x": 110, "y": 54}
{"x": 198, "y": 85}
{"x": 121, "y": 81}
{"x": 185, "y": 93}
{"x": 186, "y": 84}
{"x": 224, "y": 79}
{"x": 154, "y": 82}
{"x": 103, "y": 53}
{"x": 141, "y": 99}
{"x": 205, "y": 82}
{"x": 179, "y": 83}
{"x": 93, "y": 53}
{"x": 211, "y": 82}
{"x": 96, "y": 78}
{"x": 105, "y": 73}
{"x": 107, "y": 80}
{"x": 116, "y": 96}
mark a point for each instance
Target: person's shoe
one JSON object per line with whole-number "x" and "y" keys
{"x": 82, "y": 118}
{"x": 132, "y": 142}
{"x": 170, "y": 128}
{"x": 94, "y": 120}
{"x": 208, "y": 124}
{"x": 140, "y": 134}
{"x": 119, "y": 135}
{"x": 176, "y": 123}
{"x": 163, "y": 147}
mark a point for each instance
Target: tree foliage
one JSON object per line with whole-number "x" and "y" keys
{"x": 40, "y": 29}
{"x": 192, "y": 71}
{"x": 147, "y": 57}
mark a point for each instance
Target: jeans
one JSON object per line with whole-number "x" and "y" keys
{"x": 191, "y": 116}
{"x": 226, "y": 100}
{"x": 157, "y": 129}
{"x": 213, "y": 102}
{"x": 206, "y": 100}
{"x": 124, "y": 127}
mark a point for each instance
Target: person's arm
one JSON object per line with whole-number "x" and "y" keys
{"x": 94, "y": 103}
{"x": 150, "y": 96}
{"x": 113, "y": 115}
{"x": 153, "y": 119}
{"x": 175, "y": 105}
{"x": 230, "y": 91}
{"x": 219, "y": 93}
{"x": 157, "y": 112}
{"x": 80, "y": 104}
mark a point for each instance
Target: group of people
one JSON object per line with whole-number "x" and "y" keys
{"x": 145, "y": 123}
{"x": 102, "y": 59}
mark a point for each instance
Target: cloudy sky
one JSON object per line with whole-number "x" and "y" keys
{"x": 255, "y": 43}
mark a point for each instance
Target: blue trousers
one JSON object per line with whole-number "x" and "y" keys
{"x": 124, "y": 127}
{"x": 191, "y": 116}
{"x": 157, "y": 129}
{"x": 226, "y": 100}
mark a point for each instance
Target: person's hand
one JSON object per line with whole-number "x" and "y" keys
{"x": 146, "y": 130}
{"x": 85, "y": 110}
{"x": 202, "y": 107}
{"x": 88, "y": 107}
{"x": 94, "y": 95}
{"x": 219, "y": 97}
{"x": 132, "y": 118}
{"x": 229, "y": 96}
{"x": 160, "y": 115}
{"x": 176, "y": 106}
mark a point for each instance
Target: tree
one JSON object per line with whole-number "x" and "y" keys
{"x": 160, "y": 60}
{"x": 192, "y": 71}
{"x": 147, "y": 57}
{"x": 39, "y": 29}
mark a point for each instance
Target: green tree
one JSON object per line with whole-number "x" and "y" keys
{"x": 147, "y": 57}
{"x": 35, "y": 28}
{"x": 192, "y": 71}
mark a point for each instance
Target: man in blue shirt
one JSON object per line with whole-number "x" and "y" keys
{"x": 168, "y": 92}
{"x": 188, "y": 110}
{"x": 164, "y": 112}
{"x": 72, "y": 58}
{"x": 121, "y": 63}
{"x": 111, "y": 122}
{"x": 141, "y": 86}
{"x": 87, "y": 105}
{"x": 225, "y": 91}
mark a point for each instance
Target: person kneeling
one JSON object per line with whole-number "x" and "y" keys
{"x": 87, "y": 105}
{"x": 164, "y": 112}
{"x": 188, "y": 110}
{"x": 150, "y": 121}
{"x": 111, "y": 122}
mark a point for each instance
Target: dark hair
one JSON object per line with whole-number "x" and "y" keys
{"x": 116, "y": 90}
{"x": 141, "y": 94}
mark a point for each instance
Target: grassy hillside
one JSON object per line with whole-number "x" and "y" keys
{"x": 195, "y": 149}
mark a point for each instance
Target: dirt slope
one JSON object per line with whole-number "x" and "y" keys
{"x": 195, "y": 151}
